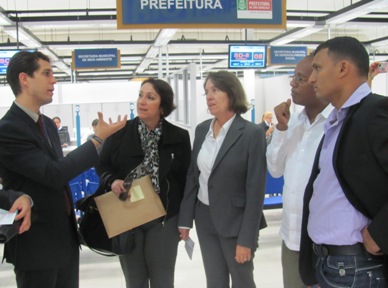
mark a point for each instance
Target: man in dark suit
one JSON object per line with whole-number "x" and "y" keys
{"x": 344, "y": 228}
{"x": 31, "y": 160}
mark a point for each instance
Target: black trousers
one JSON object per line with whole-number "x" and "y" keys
{"x": 64, "y": 277}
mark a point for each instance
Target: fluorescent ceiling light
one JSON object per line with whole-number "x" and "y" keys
{"x": 143, "y": 65}
{"x": 357, "y": 11}
{"x": 53, "y": 57}
{"x": 164, "y": 36}
{"x": 222, "y": 64}
{"x": 62, "y": 66}
{"x": 150, "y": 56}
{"x": 25, "y": 36}
{"x": 4, "y": 20}
{"x": 295, "y": 34}
{"x": 299, "y": 23}
{"x": 152, "y": 52}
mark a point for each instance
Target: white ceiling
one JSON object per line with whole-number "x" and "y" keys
{"x": 54, "y": 25}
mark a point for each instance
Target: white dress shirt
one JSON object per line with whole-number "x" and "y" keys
{"x": 291, "y": 153}
{"x": 207, "y": 155}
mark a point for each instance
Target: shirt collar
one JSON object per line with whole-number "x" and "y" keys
{"x": 360, "y": 93}
{"x": 224, "y": 128}
{"x": 324, "y": 113}
{"x": 30, "y": 113}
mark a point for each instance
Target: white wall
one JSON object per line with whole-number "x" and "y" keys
{"x": 274, "y": 90}
{"x": 380, "y": 84}
{"x": 270, "y": 93}
{"x": 111, "y": 98}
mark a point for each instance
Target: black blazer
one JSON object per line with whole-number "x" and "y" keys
{"x": 122, "y": 152}
{"x": 361, "y": 165}
{"x": 29, "y": 164}
{"x": 7, "y": 197}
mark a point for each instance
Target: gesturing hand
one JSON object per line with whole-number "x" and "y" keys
{"x": 103, "y": 129}
{"x": 282, "y": 113}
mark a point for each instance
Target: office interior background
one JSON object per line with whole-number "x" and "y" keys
{"x": 183, "y": 56}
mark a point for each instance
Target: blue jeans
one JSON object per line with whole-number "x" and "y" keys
{"x": 350, "y": 271}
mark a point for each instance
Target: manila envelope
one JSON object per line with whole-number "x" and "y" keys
{"x": 143, "y": 206}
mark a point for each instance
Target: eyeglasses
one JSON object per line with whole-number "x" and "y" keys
{"x": 298, "y": 79}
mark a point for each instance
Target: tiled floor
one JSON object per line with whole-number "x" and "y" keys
{"x": 104, "y": 272}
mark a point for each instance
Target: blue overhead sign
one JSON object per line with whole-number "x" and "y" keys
{"x": 287, "y": 55}
{"x": 96, "y": 58}
{"x": 247, "y": 56}
{"x": 5, "y": 56}
{"x": 201, "y": 14}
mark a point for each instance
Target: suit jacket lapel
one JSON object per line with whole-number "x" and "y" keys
{"x": 200, "y": 135}
{"x": 33, "y": 127}
{"x": 348, "y": 116}
{"x": 231, "y": 137}
{"x": 55, "y": 148}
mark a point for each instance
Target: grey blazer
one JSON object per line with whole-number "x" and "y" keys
{"x": 236, "y": 184}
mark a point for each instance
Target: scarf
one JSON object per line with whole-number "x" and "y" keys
{"x": 149, "y": 144}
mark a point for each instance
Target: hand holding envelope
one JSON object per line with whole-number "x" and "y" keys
{"x": 143, "y": 206}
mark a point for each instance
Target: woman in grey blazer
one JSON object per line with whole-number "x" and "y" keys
{"x": 225, "y": 185}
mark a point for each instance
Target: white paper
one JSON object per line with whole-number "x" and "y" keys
{"x": 7, "y": 218}
{"x": 189, "y": 246}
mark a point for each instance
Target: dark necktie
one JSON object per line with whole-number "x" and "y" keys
{"x": 43, "y": 131}
{"x": 42, "y": 128}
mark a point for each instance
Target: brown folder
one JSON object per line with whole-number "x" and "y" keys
{"x": 143, "y": 206}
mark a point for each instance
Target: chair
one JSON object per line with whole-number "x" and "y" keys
{"x": 273, "y": 192}
{"x": 92, "y": 175}
{"x": 92, "y": 187}
{"x": 78, "y": 187}
{"x": 76, "y": 191}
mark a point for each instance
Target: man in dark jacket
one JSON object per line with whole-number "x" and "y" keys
{"x": 31, "y": 160}
{"x": 344, "y": 230}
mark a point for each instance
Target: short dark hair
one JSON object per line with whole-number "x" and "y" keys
{"x": 95, "y": 122}
{"x": 23, "y": 62}
{"x": 231, "y": 85}
{"x": 349, "y": 48}
{"x": 59, "y": 119}
{"x": 166, "y": 95}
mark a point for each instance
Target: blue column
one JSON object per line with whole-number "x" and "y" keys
{"x": 131, "y": 109}
{"x": 253, "y": 111}
{"x": 78, "y": 124}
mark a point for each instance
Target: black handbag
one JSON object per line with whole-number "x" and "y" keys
{"x": 92, "y": 230}
{"x": 9, "y": 231}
